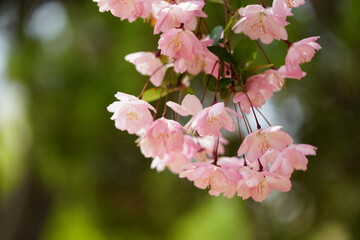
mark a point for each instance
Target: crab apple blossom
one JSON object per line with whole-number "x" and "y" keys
{"x": 207, "y": 121}
{"x": 203, "y": 60}
{"x": 282, "y": 8}
{"x": 259, "y": 88}
{"x": 149, "y": 64}
{"x": 179, "y": 43}
{"x": 130, "y": 113}
{"x": 174, "y": 15}
{"x": 299, "y": 53}
{"x": 163, "y": 136}
{"x": 259, "y": 23}
{"x": 176, "y": 160}
{"x": 266, "y": 157}
{"x": 258, "y": 142}
{"x": 123, "y": 9}
{"x": 217, "y": 179}
{"x": 259, "y": 184}
{"x": 289, "y": 159}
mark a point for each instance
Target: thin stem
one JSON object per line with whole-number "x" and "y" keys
{"x": 263, "y": 52}
{"x": 238, "y": 123}
{"x": 166, "y": 98}
{"x": 144, "y": 88}
{"x": 217, "y": 83}
{"x": 215, "y": 152}
{"x": 246, "y": 122}
{"x": 263, "y": 117}
{"x": 158, "y": 104}
{"x": 207, "y": 82}
{"x": 147, "y": 82}
{"x": 226, "y": 37}
{"x": 258, "y": 126}
{"x": 262, "y": 4}
{"x": 288, "y": 43}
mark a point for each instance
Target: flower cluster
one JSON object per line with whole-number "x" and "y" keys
{"x": 267, "y": 157}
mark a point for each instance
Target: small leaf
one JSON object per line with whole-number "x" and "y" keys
{"x": 216, "y": 34}
{"x": 224, "y": 93}
{"x": 216, "y": 1}
{"x": 245, "y": 52}
{"x": 222, "y": 54}
{"x": 223, "y": 83}
{"x": 231, "y": 22}
{"x": 154, "y": 94}
{"x": 189, "y": 90}
{"x": 256, "y": 68}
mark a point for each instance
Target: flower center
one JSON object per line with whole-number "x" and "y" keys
{"x": 132, "y": 116}
{"x": 264, "y": 143}
{"x": 290, "y": 3}
{"x": 261, "y": 186}
{"x": 176, "y": 44}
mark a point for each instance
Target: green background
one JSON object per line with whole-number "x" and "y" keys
{"x": 66, "y": 173}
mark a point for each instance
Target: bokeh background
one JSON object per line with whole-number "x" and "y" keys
{"x": 66, "y": 173}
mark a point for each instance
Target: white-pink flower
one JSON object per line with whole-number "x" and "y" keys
{"x": 217, "y": 178}
{"x": 124, "y": 9}
{"x": 162, "y": 137}
{"x": 179, "y": 43}
{"x": 289, "y": 159}
{"x": 298, "y": 53}
{"x": 259, "y": 88}
{"x": 259, "y": 23}
{"x": 203, "y": 60}
{"x": 258, "y": 185}
{"x": 282, "y": 8}
{"x": 258, "y": 142}
{"x": 148, "y": 64}
{"x": 174, "y": 15}
{"x": 207, "y": 121}
{"x": 176, "y": 160}
{"x": 130, "y": 113}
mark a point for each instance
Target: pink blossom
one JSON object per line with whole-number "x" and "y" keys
{"x": 124, "y": 9}
{"x": 210, "y": 120}
{"x": 275, "y": 78}
{"x": 148, "y": 64}
{"x": 298, "y": 53}
{"x": 131, "y": 113}
{"x": 259, "y": 88}
{"x": 289, "y": 159}
{"x": 175, "y": 161}
{"x": 217, "y": 179}
{"x": 207, "y": 121}
{"x": 258, "y": 185}
{"x": 258, "y": 142}
{"x": 282, "y": 8}
{"x": 162, "y": 137}
{"x": 179, "y": 43}
{"x": 207, "y": 145}
{"x": 203, "y": 60}
{"x": 174, "y": 15}
{"x": 260, "y": 23}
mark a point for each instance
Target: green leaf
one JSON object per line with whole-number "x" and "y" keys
{"x": 216, "y": 1}
{"x": 224, "y": 93}
{"x": 245, "y": 52}
{"x": 256, "y": 68}
{"x": 216, "y": 34}
{"x": 230, "y": 23}
{"x": 189, "y": 90}
{"x": 154, "y": 94}
{"x": 223, "y": 83}
{"x": 222, "y": 54}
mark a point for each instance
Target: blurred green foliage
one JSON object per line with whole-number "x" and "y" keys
{"x": 67, "y": 173}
